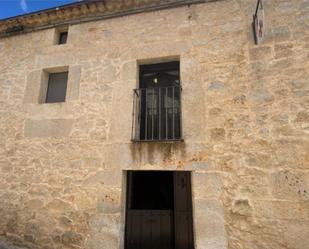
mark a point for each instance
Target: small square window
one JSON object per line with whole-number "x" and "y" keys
{"x": 63, "y": 36}
{"x": 57, "y": 87}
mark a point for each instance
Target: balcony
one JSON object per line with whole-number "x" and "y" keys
{"x": 157, "y": 114}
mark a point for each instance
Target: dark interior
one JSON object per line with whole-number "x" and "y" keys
{"x": 152, "y": 190}
{"x": 63, "y": 36}
{"x": 159, "y": 210}
{"x": 166, "y": 74}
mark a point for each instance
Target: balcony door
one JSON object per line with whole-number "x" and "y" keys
{"x": 157, "y": 102}
{"x": 159, "y": 210}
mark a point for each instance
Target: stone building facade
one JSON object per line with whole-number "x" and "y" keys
{"x": 245, "y": 121}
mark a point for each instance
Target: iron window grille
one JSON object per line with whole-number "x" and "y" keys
{"x": 157, "y": 103}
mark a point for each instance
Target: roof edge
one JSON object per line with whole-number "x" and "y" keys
{"x": 85, "y": 11}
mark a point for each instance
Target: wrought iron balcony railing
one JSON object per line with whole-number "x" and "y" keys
{"x": 157, "y": 114}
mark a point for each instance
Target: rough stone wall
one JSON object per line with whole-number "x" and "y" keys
{"x": 245, "y": 124}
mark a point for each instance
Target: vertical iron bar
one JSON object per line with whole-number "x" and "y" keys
{"x": 166, "y": 122}
{"x": 146, "y": 116}
{"x": 140, "y": 111}
{"x": 137, "y": 132}
{"x": 159, "y": 113}
{"x": 133, "y": 116}
{"x": 152, "y": 114}
{"x": 173, "y": 113}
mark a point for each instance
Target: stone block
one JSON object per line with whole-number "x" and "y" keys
{"x": 261, "y": 97}
{"x": 129, "y": 71}
{"x": 206, "y": 185}
{"x": 122, "y": 110}
{"x": 283, "y": 50}
{"x": 299, "y": 84}
{"x": 193, "y": 104}
{"x": 217, "y": 134}
{"x": 209, "y": 224}
{"x": 199, "y": 166}
{"x": 109, "y": 74}
{"x": 259, "y": 159}
{"x": 290, "y": 185}
{"x": 255, "y": 181}
{"x": 302, "y": 117}
{"x": 284, "y": 210}
{"x": 218, "y": 86}
{"x": 108, "y": 222}
{"x": 61, "y": 110}
{"x": 58, "y": 205}
{"x": 286, "y": 8}
{"x": 104, "y": 232}
{"x": 71, "y": 238}
{"x": 34, "y": 204}
{"x": 126, "y": 161}
{"x": 103, "y": 240}
{"x": 281, "y": 33}
{"x": 73, "y": 85}
{"x": 305, "y": 206}
{"x": 108, "y": 177}
{"x": 54, "y": 60}
{"x": 57, "y": 128}
{"x": 33, "y": 87}
{"x": 241, "y": 207}
{"x": 7, "y": 245}
{"x": 109, "y": 201}
{"x": 260, "y": 53}
{"x": 295, "y": 234}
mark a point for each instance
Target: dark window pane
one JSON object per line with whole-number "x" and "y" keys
{"x": 63, "y": 37}
{"x": 57, "y": 87}
{"x": 159, "y": 75}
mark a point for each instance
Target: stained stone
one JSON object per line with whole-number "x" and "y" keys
{"x": 217, "y": 86}
{"x": 217, "y": 133}
{"x": 259, "y": 97}
{"x": 281, "y": 33}
{"x": 71, "y": 238}
{"x": 260, "y": 53}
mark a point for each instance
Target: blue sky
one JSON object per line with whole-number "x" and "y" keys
{"x": 9, "y": 8}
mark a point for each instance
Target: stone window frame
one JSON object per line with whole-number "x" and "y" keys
{"x": 57, "y": 33}
{"x": 157, "y": 60}
{"x": 37, "y": 83}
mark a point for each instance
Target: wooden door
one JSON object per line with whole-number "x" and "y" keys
{"x": 170, "y": 227}
{"x": 149, "y": 229}
{"x": 183, "y": 211}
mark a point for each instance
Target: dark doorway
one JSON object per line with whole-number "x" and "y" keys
{"x": 159, "y": 101}
{"x": 159, "y": 210}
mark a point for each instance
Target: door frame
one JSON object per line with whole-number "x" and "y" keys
{"x": 124, "y": 204}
